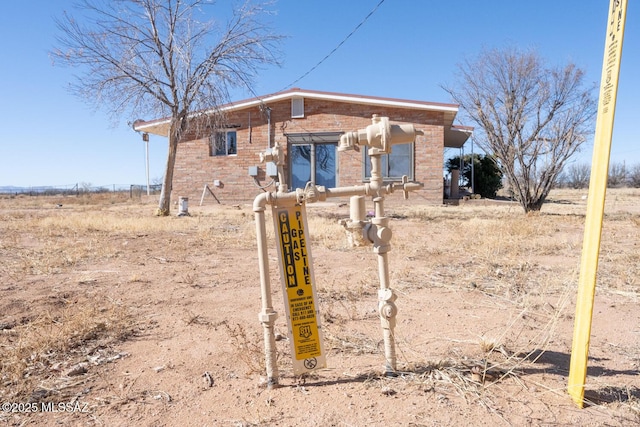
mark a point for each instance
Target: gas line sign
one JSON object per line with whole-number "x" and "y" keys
{"x": 299, "y": 288}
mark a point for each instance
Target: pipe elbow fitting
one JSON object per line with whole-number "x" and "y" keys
{"x": 261, "y": 201}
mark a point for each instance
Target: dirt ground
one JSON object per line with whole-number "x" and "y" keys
{"x": 113, "y": 317}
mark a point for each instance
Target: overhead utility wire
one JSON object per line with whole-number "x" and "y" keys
{"x": 337, "y": 47}
{"x": 248, "y": 86}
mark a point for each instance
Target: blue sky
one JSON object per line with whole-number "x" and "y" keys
{"x": 407, "y": 49}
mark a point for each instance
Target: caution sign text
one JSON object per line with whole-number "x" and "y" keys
{"x": 298, "y": 286}
{"x": 294, "y": 249}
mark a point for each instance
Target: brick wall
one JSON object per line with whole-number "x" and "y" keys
{"x": 195, "y": 167}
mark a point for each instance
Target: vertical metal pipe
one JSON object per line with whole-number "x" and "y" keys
{"x": 312, "y": 163}
{"x": 357, "y": 211}
{"x": 383, "y": 271}
{"x": 376, "y": 174}
{"x": 378, "y": 207}
{"x": 268, "y": 315}
{"x": 268, "y": 127}
{"x": 146, "y": 151}
{"x": 386, "y": 297}
{"x": 473, "y": 172}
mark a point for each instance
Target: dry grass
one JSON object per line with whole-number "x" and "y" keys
{"x": 247, "y": 347}
{"x": 505, "y": 254}
{"x": 38, "y": 242}
{"x": 492, "y": 251}
{"x": 39, "y": 356}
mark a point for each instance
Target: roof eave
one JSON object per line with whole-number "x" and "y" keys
{"x": 158, "y": 126}
{"x": 456, "y": 136}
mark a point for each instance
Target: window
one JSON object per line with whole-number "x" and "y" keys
{"x": 399, "y": 162}
{"x": 297, "y": 108}
{"x": 313, "y": 157}
{"x": 223, "y": 143}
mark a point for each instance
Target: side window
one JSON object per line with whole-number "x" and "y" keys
{"x": 297, "y": 108}
{"x": 232, "y": 146}
{"x": 223, "y": 143}
{"x": 313, "y": 157}
{"x": 394, "y": 165}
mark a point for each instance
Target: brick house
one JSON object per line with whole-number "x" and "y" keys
{"x": 308, "y": 125}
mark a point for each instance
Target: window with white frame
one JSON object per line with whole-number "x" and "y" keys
{"x": 297, "y": 108}
{"x": 313, "y": 157}
{"x": 395, "y": 164}
{"x": 223, "y": 143}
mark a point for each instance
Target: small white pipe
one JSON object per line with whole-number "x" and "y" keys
{"x": 357, "y": 212}
{"x": 356, "y": 190}
{"x": 389, "y": 352}
{"x": 268, "y": 315}
{"x": 383, "y": 270}
{"x": 268, "y": 127}
{"x": 146, "y": 145}
{"x": 386, "y": 306}
{"x": 388, "y": 313}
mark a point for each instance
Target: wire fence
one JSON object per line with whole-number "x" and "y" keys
{"x": 134, "y": 190}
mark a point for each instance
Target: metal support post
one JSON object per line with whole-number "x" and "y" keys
{"x": 268, "y": 315}
{"x": 380, "y": 234}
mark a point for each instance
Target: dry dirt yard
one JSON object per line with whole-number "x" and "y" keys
{"x": 113, "y": 317}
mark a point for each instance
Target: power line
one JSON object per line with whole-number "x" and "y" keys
{"x": 337, "y": 47}
{"x": 248, "y": 86}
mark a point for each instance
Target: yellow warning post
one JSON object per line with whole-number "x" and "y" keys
{"x": 299, "y": 288}
{"x": 595, "y": 204}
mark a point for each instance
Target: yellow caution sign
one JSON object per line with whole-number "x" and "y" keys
{"x": 299, "y": 288}
{"x": 595, "y": 205}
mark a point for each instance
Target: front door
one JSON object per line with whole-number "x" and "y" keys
{"x": 313, "y": 157}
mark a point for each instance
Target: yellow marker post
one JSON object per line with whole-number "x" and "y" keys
{"x": 299, "y": 288}
{"x": 595, "y": 203}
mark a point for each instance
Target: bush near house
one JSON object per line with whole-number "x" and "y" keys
{"x": 487, "y": 177}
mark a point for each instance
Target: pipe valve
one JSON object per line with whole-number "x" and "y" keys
{"x": 387, "y": 307}
{"x": 379, "y": 135}
{"x": 272, "y": 155}
{"x": 275, "y": 156}
{"x": 380, "y": 236}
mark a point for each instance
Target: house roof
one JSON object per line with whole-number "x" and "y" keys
{"x": 455, "y": 136}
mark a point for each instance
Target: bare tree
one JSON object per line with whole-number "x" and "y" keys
{"x": 617, "y": 175}
{"x": 634, "y": 176}
{"x": 531, "y": 118}
{"x": 578, "y": 175}
{"x": 163, "y": 57}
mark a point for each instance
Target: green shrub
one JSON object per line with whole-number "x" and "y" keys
{"x": 486, "y": 173}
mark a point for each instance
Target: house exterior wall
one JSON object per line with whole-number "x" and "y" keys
{"x": 195, "y": 167}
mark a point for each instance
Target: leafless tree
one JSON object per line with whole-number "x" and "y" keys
{"x": 634, "y": 176}
{"x": 617, "y": 175}
{"x": 165, "y": 58}
{"x": 531, "y": 118}
{"x": 578, "y": 174}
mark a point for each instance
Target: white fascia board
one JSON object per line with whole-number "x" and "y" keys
{"x": 319, "y": 95}
{"x": 342, "y": 98}
{"x": 378, "y": 101}
{"x": 143, "y": 126}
